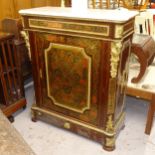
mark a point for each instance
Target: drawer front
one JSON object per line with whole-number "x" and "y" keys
{"x": 70, "y": 75}
{"x": 70, "y": 26}
{"x": 81, "y": 28}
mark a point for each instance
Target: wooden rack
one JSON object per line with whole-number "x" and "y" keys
{"x": 11, "y": 83}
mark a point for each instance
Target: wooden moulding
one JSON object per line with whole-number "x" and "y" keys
{"x": 139, "y": 93}
{"x": 9, "y": 110}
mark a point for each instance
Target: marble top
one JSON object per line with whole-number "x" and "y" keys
{"x": 116, "y": 15}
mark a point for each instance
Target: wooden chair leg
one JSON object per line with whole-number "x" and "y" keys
{"x": 150, "y": 115}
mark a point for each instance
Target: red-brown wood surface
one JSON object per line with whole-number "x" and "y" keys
{"x": 11, "y": 85}
{"x": 143, "y": 46}
{"x": 150, "y": 115}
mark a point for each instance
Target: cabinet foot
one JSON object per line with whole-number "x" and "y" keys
{"x": 34, "y": 119}
{"x": 122, "y": 128}
{"x": 24, "y": 107}
{"x": 109, "y": 144}
{"x": 107, "y": 148}
{"x": 11, "y": 119}
{"x": 33, "y": 115}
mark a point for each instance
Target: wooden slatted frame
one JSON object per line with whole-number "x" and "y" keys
{"x": 11, "y": 81}
{"x": 125, "y": 3}
{"x": 12, "y": 66}
{"x": 10, "y": 74}
{"x": 7, "y": 70}
{"x": 6, "y": 101}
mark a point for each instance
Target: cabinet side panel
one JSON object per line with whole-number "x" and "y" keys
{"x": 122, "y": 78}
{"x": 35, "y": 67}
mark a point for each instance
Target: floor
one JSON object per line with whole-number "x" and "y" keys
{"x": 46, "y": 139}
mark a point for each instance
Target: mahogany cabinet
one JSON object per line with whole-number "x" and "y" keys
{"x": 80, "y": 69}
{"x": 12, "y": 95}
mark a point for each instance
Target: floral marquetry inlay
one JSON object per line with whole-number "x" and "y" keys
{"x": 68, "y": 70}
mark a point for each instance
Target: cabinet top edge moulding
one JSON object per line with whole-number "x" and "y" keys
{"x": 116, "y": 15}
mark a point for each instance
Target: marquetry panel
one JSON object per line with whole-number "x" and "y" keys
{"x": 74, "y": 94}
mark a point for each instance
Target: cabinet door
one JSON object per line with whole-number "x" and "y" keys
{"x": 70, "y": 75}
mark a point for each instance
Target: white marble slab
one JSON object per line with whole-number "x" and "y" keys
{"x": 116, "y": 15}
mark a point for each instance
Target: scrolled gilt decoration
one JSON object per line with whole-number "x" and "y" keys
{"x": 115, "y": 53}
{"x": 109, "y": 125}
{"x": 118, "y": 31}
{"x": 110, "y": 142}
{"x": 26, "y": 38}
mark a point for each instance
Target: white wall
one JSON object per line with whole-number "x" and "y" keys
{"x": 80, "y": 4}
